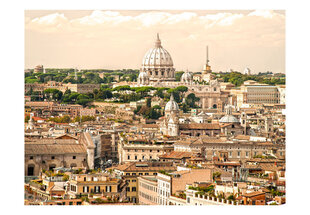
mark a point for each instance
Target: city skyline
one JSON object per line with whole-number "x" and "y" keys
{"x": 119, "y": 39}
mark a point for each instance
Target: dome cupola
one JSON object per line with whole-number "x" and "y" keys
{"x": 187, "y": 77}
{"x": 228, "y": 118}
{"x": 172, "y": 105}
{"x": 143, "y": 78}
{"x": 158, "y": 64}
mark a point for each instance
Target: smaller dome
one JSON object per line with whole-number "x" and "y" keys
{"x": 143, "y": 77}
{"x": 187, "y": 77}
{"x": 228, "y": 119}
{"x": 171, "y": 105}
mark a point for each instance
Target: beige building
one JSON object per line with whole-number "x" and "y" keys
{"x": 252, "y": 92}
{"x": 236, "y": 150}
{"x": 51, "y": 153}
{"x": 141, "y": 149}
{"x": 147, "y": 190}
{"x": 97, "y": 184}
{"x": 79, "y": 88}
{"x": 131, "y": 171}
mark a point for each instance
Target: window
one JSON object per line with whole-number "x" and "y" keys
{"x": 74, "y": 157}
{"x": 108, "y": 189}
{"x": 150, "y": 150}
{"x": 146, "y": 173}
{"x": 247, "y": 154}
{"x": 128, "y": 157}
{"x": 128, "y": 189}
{"x": 133, "y": 189}
{"x": 127, "y": 173}
{"x": 230, "y": 154}
{"x": 155, "y": 173}
{"x": 43, "y": 162}
{"x": 97, "y": 189}
{"x": 140, "y": 173}
{"x": 31, "y": 157}
{"x": 150, "y": 157}
{"x": 136, "y": 157}
{"x": 238, "y": 154}
{"x": 157, "y": 150}
{"x": 85, "y": 189}
{"x": 133, "y": 173}
{"x": 134, "y": 180}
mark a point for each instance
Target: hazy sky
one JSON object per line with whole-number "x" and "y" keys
{"x": 119, "y": 39}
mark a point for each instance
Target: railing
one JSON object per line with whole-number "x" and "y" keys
{"x": 216, "y": 199}
{"x": 29, "y": 178}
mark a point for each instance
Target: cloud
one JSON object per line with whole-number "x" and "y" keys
{"x": 110, "y": 35}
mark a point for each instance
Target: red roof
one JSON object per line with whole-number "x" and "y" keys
{"x": 35, "y": 118}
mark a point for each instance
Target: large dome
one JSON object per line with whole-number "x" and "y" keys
{"x": 158, "y": 63}
{"x": 157, "y": 56}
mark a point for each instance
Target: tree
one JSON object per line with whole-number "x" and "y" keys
{"x": 191, "y": 99}
{"x": 178, "y": 75}
{"x": 54, "y": 93}
{"x": 122, "y": 88}
{"x": 148, "y": 102}
{"x": 182, "y": 89}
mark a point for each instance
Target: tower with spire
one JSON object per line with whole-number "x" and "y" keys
{"x": 207, "y": 67}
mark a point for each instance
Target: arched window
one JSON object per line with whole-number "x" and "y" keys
{"x": 214, "y": 106}
{"x": 52, "y": 166}
{"x": 30, "y": 170}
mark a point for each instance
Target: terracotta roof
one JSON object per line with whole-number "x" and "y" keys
{"x": 66, "y": 135}
{"x": 51, "y": 141}
{"x": 131, "y": 167}
{"x": 42, "y": 149}
{"x": 210, "y": 126}
{"x": 149, "y": 126}
{"x": 37, "y": 104}
{"x": 249, "y": 195}
{"x": 242, "y": 137}
{"x": 35, "y": 118}
{"x": 176, "y": 155}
